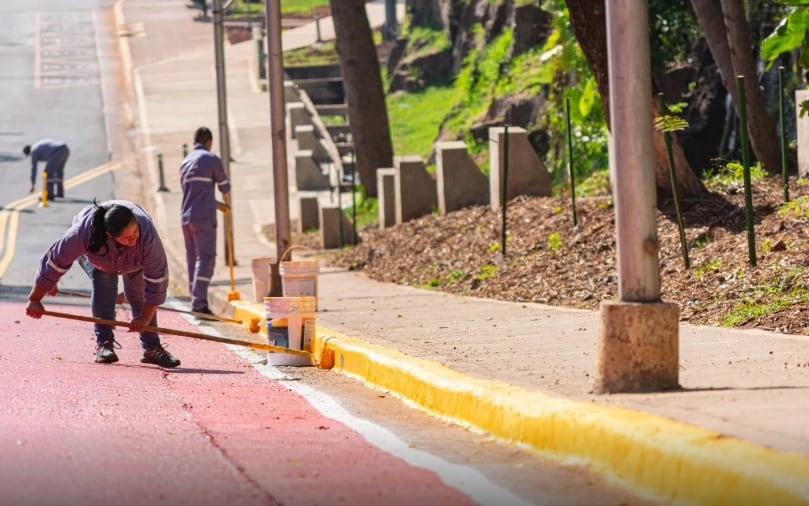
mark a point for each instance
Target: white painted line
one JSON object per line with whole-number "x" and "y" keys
{"x": 465, "y": 479}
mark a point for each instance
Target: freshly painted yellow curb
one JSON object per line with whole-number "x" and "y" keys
{"x": 250, "y": 311}
{"x": 655, "y": 456}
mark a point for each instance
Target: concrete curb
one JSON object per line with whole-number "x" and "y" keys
{"x": 652, "y": 455}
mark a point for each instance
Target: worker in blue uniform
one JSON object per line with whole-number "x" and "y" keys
{"x": 55, "y": 154}
{"x": 200, "y": 172}
{"x": 112, "y": 239}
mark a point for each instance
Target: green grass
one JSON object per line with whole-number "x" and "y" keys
{"x": 415, "y": 118}
{"x": 769, "y": 297}
{"x": 367, "y": 208}
{"x": 301, "y": 7}
{"x": 321, "y": 54}
{"x": 296, "y": 8}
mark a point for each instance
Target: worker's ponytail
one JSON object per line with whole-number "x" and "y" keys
{"x": 111, "y": 219}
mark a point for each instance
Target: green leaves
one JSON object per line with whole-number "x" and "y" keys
{"x": 668, "y": 123}
{"x": 790, "y": 34}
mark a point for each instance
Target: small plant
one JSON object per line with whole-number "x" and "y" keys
{"x": 766, "y": 246}
{"x": 711, "y": 265}
{"x": 488, "y": 271}
{"x": 455, "y": 276}
{"x": 702, "y": 240}
{"x": 798, "y": 207}
{"x": 554, "y": 241}
{"x": 434, "y": 283}
{"x": 494, "y": 247}
{"x": 724, "y": 173}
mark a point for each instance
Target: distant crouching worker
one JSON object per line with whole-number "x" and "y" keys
{"x": 200, "y": 172}
{"x": 111, "y": 239}
{"x": 55, "y": 154}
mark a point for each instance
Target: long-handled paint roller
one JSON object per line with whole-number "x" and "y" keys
{"x": 232, "y": 294}
{"x": 254, "y": 324}
{"x": 176, "y": 332}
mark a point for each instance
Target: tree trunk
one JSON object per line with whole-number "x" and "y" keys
{"x": 589, "y": 22}
{"x": 725, "y": 28}
{"x": 365, "y": 96}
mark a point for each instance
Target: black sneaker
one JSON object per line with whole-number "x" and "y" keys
{"x": 157, "y": 355}
{"x": 205, "y": 310}
{"x": 105, "y": 352}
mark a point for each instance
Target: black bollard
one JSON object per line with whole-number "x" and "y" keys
{"x": 317, "y": 27}
{"x": 160, "y": 172}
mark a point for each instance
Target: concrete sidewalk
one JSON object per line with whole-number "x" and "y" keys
{"x": 737, "y": 432}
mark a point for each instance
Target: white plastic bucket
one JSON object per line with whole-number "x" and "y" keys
{"x": 299, "y": 278}
{"x": 261, "y": 276}
{"x": 299, "y": 313}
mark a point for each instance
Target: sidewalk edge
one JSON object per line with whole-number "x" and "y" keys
{"x": 652, "y": 455}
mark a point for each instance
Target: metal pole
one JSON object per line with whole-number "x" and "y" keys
{"x": 631, "y": 156}
{"x": 222, "y": 108}
{"x": 275, "y": 80}
{"x": 570, "y": 169}
{"x": 783, "y": 131}
{"x": 389, "y": 28}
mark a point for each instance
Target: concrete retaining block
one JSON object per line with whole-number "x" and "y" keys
{"x": 291, "y": 92}
{"x": 386, "y": 196}
{"x": 414, "y": 188}
{"x": 527, "y": 174}
{"x": 308, "y": 175}
{"x": 331, "y": 218}
{"x": 308, "y": 140}
{"x": 459, "y": 180}
{"x": 802, "y": 126}
{"x": 297, "y": 115}
{"x": 309, "y": 214}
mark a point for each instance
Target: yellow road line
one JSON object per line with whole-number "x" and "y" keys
{"x": 10, "y": 216}
{"x": 92, "y": 173}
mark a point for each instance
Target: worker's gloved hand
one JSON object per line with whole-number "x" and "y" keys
{"x": 138, "y": 324}
{"x": 34, "y": 309}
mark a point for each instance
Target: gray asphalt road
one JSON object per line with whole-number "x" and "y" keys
{"x": 57, "y": 61}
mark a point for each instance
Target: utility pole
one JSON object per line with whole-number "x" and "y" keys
{"x": 222, "y": 108}
{"x": 275, "y": 80}
{"x": 638, "y": 342}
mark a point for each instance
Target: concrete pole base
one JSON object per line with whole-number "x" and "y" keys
{"x": 638, "y": 347}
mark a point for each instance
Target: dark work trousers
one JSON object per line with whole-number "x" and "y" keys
{"x": 102, "y": 300}
{"x": 55, "y": 172}
{"x": 200, "y": 253}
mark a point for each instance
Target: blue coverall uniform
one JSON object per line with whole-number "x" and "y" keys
{"x": 199, "y": 173}
{"x": 55, "y": 154}
{"x": 143, "y": 268}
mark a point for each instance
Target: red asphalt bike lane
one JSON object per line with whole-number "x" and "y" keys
{"x": 213, "y": 431}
